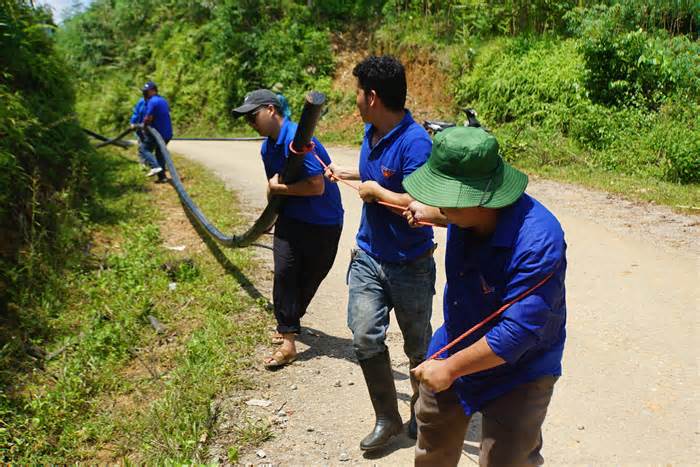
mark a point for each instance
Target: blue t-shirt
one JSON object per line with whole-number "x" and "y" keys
{"x": 383, "y": 234}
{"x": 325, "y": 209}
{"x": 138, "y": 112}
{"x": 484, "y": 274}
{"x": 157, "y": 106}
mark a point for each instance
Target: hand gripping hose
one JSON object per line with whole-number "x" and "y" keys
{"x": 291, "y": 173}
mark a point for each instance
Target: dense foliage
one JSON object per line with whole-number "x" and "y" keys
{"x": 43, "y": 153}
{"x": 618, "y": 81}
{"x": 204, "y": 56}
{"x": 626, "y": 95}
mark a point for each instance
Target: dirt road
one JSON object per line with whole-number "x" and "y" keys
{"x": 629, "y": 390}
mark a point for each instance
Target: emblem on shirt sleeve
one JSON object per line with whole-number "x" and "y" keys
{"x": 387, "y": 172}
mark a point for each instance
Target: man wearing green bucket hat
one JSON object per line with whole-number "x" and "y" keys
{"x": 504, "y": 304}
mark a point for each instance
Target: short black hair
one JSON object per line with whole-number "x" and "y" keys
{"x": 384, "y": 75}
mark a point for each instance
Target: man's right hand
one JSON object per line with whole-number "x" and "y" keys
{"x": 336, "y": 173}
{"x": 330, "y": 172}
{"x": 417, "y": 212}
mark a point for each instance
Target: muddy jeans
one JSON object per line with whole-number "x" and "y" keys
{"x": 511, "y": 429}
{"x": 375, "y": 289}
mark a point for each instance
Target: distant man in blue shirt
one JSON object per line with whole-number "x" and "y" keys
{"x": 157, "y": 115}
{"x": 147, "y": 158}
{"x": 502, "y": 247}
{"x": 308, "y": 228}
{"x": 393, "y": 266}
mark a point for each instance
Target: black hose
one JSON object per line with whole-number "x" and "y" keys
{"x": 292, "y": 171}
{"x": 256, "y": 138}
{"x": 125, "y": 144}
{"x": 309, "y": 115}
{"x": 116, "y": 141}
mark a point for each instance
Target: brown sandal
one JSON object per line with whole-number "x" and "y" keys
{"x": 278, "y": 359}
{"x": 276, "y": 338}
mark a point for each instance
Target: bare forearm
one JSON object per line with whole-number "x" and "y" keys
{"x": 432, "y": 215}
{"x": 398, "y": 199}
{"x": 306, "y": 187}
{"x": 346, "y": 173}
{"x": 477, "y": 357}
{"x": 438, "y": 375}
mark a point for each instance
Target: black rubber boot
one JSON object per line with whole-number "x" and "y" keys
{"x": 382, "y": 392}
{"x": 412, "y": 424}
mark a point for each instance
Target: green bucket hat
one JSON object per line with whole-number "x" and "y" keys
{"x": 465, "y": 170}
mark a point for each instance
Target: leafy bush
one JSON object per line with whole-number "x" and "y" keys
{"x": 524, "y": 79}
{"x": 676, "y": 139}
{"x": 204, "y": 56}
{"x": 625, "y": 66}
{"x": 530, "y": 81}
{"x": 483, "y": 18}
{"x": 43, "y": 152}
{"x": 287, "y": 47}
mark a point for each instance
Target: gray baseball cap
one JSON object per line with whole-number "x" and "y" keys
{"x": 255, "y": 99}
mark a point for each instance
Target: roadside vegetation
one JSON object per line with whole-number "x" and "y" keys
{"x": 84, "y": 376}
{"x": 603, "y": 93}
{"x": 102, "y": 384}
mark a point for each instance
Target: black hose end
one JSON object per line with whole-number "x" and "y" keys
{"x": 315, "y": 98}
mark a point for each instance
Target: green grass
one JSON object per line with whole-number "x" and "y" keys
{"x": 119, "y": 391}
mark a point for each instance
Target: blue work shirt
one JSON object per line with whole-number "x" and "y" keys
{"x": 157, "y": 107}
{"x": 383, "y": 234}
{"x": 324, "y": 209}
{"x": 484, "y": 274}
{"x": 138, "y": 112}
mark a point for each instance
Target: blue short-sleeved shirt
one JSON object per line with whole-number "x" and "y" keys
{"x": 383, "y": 234}
{"x": 157, "y": 106}
{"x": 138, "y": 112}
{"x": 325, "y": 209}
{"x": 484, "y": 274}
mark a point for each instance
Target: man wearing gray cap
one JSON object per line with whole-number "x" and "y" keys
{"x": 308, "y": 228}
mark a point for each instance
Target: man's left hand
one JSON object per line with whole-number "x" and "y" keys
{"x": 369, "y": 191}
{"x": 273, "y": 186}
{"x": 434, "y": 374}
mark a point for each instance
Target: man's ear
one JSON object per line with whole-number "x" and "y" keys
{"x": 372, "y": 97}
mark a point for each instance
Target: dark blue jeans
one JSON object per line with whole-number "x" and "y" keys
{"x": 152, "y": 147}
{"x": 145, "y": 153}
{"x": 375, "y": 289}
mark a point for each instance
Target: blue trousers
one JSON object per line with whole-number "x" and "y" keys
{"x": 375, "y": 289}
{"x": 145, "y": 153}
